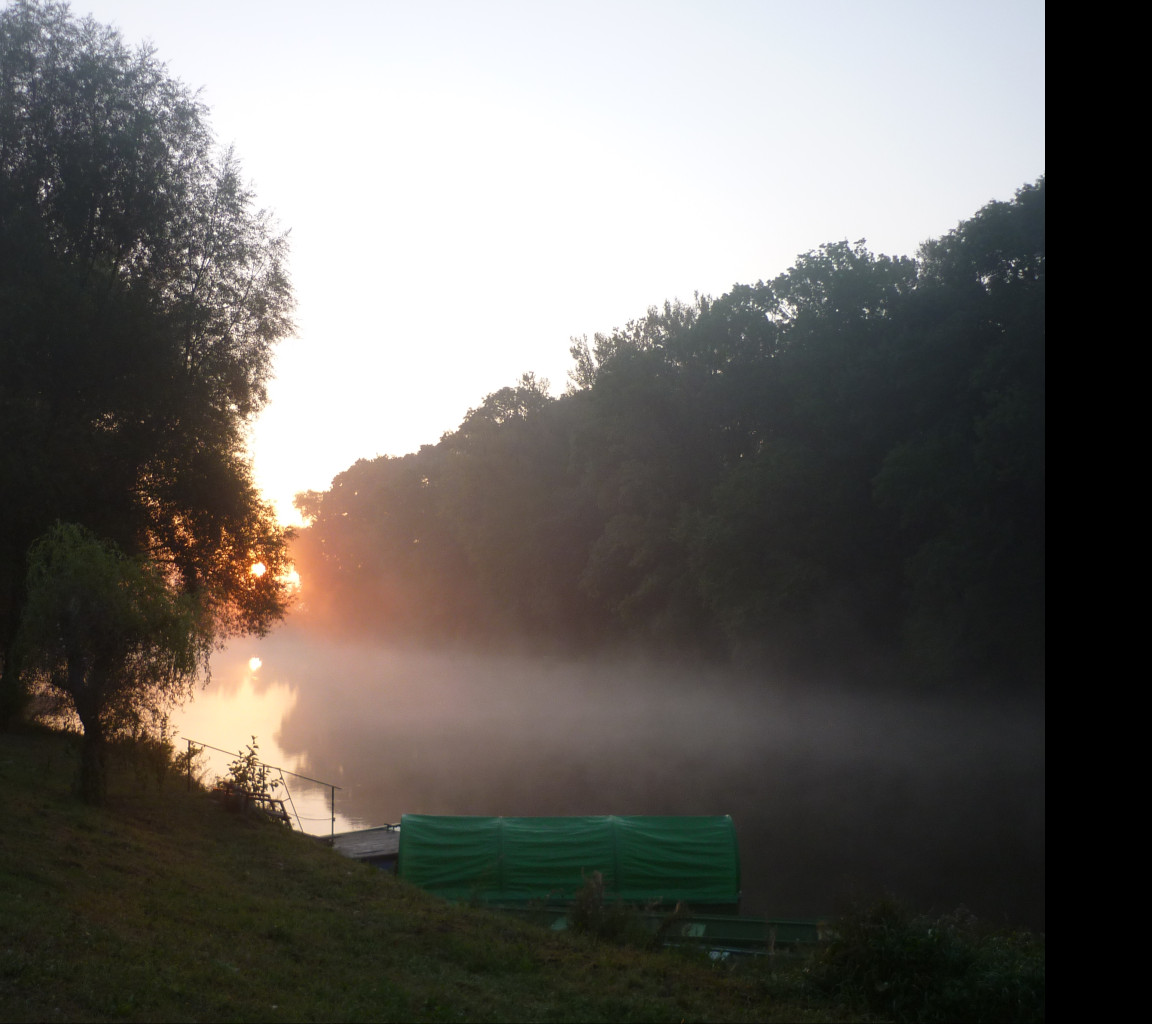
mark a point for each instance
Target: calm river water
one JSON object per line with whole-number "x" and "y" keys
{"x": 938, "y": 800}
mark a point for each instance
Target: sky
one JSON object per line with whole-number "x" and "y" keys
{"x": 470, "y": 185}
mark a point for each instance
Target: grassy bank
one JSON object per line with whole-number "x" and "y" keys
{"x": 164, "y": 906}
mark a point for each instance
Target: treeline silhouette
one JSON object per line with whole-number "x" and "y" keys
{"x": 839, "y": 470}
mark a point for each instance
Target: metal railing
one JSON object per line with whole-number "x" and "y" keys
{"x": 283, "y": 771}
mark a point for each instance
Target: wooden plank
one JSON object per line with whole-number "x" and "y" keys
{"x": 368, "y": 843}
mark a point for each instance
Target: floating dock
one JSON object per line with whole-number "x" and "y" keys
{"x": 379, "y": 846}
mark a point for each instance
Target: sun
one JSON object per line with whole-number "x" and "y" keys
{"x": 254, "y": 664}
{"x": 258, "y": 570}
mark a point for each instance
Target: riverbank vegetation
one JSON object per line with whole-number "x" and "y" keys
{"x": 162, "y": 905}
{"x": 840, "y": 470}
{"x": 143, "y": 294}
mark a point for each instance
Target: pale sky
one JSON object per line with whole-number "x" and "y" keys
{"x": 469, "y": 185}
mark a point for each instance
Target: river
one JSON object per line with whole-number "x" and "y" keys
{"x": 833, "y": 793}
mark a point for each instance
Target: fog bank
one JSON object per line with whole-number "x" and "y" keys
{"x": 940, "y": 800}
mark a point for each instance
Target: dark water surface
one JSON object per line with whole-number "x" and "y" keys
{"x": 938, "y": 800}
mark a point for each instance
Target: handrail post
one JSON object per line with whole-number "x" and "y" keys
{"x": 332, "y": 790}
{"x": 188, "y": 766}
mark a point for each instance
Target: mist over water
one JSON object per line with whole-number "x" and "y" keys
{"x": 939, "y": 800}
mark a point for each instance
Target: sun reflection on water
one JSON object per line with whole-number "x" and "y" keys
{"x": 246, "y": 702}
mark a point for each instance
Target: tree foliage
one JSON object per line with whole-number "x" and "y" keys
{"x": 110, "y": 635}
{"x": 840, "y": 469}
{"x": 141, "y": 295}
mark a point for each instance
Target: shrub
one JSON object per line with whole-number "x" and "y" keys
{"x": 248, "y": 786}
{"x": 250, "y": 774}
{"x": 910, "y": 967}
{"x": 591, "y": 913}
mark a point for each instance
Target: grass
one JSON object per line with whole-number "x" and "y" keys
{"x": 162, "y": 906}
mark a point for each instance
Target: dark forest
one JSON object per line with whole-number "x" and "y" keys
{"x": 840, "y": 470}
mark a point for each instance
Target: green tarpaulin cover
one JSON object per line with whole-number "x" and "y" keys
{"x": 509, "y": 860}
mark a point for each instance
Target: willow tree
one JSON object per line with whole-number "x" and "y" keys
{"x": 141, "y": 295}
{"x": 109, "y": 635}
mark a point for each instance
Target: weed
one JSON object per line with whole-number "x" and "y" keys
{"x": 911, "y": 967}
{"x": 592, "y": 913}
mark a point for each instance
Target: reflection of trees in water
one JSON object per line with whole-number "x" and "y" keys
{"x": 935, "y": 800}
